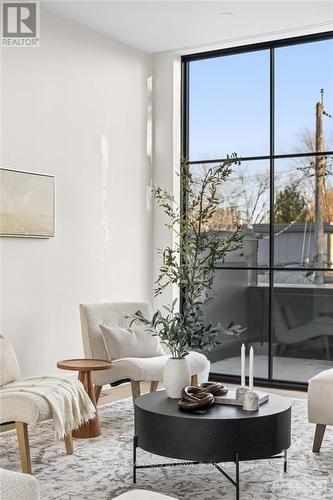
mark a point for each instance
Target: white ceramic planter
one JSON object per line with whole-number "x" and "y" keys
{"x": 177, "y": 374}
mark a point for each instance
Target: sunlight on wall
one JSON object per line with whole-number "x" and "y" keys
{"x": 149, "y": 142}
{"x": 105, "y": 163}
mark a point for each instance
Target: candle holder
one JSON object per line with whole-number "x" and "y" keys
{"x": 250, "y": 401}
{"x": 240, "y": 391}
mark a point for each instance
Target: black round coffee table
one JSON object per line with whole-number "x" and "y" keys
{"x": 222, "y": 434}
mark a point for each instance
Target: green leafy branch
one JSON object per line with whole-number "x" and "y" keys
{"x": 191, "y": 263}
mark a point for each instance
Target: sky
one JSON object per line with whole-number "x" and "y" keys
{"x": 230, "y": 109}
{"x": 229, "y": 100}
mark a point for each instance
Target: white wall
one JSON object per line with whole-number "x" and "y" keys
{"x": 76, "y": 107}
{"x": 167, "y": 95}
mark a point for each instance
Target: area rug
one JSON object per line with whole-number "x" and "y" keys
{"x": 101, "y": 467}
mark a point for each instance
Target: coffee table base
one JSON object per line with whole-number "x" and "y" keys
{"x": 235, "y": 482}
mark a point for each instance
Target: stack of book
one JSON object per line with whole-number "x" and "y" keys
{"x": 230, "y": 398}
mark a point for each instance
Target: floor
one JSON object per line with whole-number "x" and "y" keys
{"x": 101, "y": 468}
{"x": 284, "y": 368}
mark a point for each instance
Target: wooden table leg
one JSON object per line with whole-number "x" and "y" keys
{"x": 318, "y": 439}
{"x": 91, "y": 428}
{"x": 23, "y": 441}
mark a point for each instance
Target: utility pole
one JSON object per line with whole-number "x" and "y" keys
{"x": 319, "y": 191}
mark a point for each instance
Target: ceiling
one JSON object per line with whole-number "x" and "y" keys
{"x": 190, "y": 26}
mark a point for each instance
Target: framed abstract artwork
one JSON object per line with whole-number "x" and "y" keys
{"x": 27, "y": 204}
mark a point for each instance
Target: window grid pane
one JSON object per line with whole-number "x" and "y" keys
{"x": 283, "y": 267}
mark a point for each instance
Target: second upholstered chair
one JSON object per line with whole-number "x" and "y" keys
{"x": 136, "y": 369}
{"x": 320, "y": 404}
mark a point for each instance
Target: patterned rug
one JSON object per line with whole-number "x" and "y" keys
{"x": 101, "y": 467}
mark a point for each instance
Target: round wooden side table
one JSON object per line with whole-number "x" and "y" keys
{"x": 85, "y": 367}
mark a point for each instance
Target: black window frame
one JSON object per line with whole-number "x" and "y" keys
{"x": 271, "y": 157}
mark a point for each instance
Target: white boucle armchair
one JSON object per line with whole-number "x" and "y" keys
{"x": 320, "y": 405}
{"x": 18, "y": 486}
{"x": 23, "y": 408}
{"x": 115, "y": 314}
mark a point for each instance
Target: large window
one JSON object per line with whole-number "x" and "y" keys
{"x": 272, "y": 105}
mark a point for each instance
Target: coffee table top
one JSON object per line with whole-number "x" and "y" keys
{"x": 84, "y": 364}
{"x": 159, "y": 403}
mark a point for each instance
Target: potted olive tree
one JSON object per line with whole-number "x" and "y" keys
{"x": 191, "y": 266}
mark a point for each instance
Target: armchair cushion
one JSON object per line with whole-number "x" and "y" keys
{"x": 151, "y": 369}
{"x": 70, "y": 404}
{"x": 143, "y": 495}
{"x": 9, "y": 368}
{"x": 24, "y": 407}
{"x": 18, "y": 486}
{"x": 320, "y": 398}
{"x": 137, "y": 342}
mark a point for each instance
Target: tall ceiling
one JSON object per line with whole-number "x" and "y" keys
{"x": 190, "y": 26}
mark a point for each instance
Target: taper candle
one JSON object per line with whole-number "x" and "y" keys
{"x": 251, "y": 369}
{"x": 243, "y": 365}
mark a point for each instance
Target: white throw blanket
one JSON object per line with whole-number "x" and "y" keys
{"x": 69, "y": 402}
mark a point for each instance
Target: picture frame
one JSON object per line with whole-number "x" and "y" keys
{"x": 27, "y": 204}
